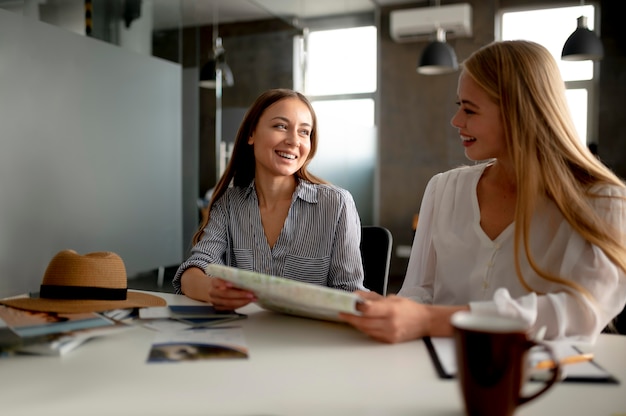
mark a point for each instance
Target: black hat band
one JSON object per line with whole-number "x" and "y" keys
{"x": 81, "y": 292}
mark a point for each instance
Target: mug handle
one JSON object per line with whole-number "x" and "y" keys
{"x": 556, "y": 372}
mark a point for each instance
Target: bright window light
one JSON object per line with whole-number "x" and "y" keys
{"x": 341, "y": 61}
{"x": 359, "y": 112}
{"x": 577, "y": 99}
{"x": 551, "y": 28}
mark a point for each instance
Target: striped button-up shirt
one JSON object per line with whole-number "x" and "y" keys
{"x": 319, "y": 241}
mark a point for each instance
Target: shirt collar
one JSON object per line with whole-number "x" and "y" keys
{"x": 305, "y": 191}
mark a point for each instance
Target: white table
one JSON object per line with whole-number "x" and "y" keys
{"x": 296, "y": 367}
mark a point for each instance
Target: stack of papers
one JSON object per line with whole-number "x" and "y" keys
{"x": 61, "y": 344}
{"x": 48, "y": 333}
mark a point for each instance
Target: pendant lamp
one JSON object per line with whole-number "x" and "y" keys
{"x": 438, "y": 57}
{"x": 216, "y": 67}
{"x": 583, "y": 44}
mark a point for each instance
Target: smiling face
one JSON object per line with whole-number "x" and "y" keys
{"x": 281, "y": 138}
{"x": 479, "y": 122}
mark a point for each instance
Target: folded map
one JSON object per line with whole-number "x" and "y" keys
{"x": 289, "y": 296}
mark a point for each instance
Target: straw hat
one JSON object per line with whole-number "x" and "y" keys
{"x": 93, "y": 282}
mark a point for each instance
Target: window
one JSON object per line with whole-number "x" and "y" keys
{"x": 340, "y": 74}
{"x": 551, "y": 27}
{"x": 338, "y": 69}
{"x": 341, "y": 61}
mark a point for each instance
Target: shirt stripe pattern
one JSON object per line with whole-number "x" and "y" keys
{"x": 319, "y": 241}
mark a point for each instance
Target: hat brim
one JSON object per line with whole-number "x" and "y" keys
{"x": 133, "y": 300}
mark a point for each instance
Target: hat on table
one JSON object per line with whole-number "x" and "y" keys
{"x": 93, "y": 282}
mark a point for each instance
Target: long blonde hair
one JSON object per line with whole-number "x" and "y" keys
{"x": 523, "y": 78}
{"x": 241, "y": 168}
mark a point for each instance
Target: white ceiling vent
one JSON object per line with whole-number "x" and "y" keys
{"x": 408, "y": 25}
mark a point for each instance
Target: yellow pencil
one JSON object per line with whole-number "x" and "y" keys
{"x": 572, "y": 359}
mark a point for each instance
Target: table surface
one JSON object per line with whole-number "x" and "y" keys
{"x": 296, "y": 366}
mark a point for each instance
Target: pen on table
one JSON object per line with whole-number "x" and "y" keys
{"x": 572, "y": 359}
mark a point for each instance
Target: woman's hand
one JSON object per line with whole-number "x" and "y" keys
{"x": 395, "y": 319}
{"x": 224, "y": 296}
{"x": 389, "y": 319}
{"x": 220, "y": 293}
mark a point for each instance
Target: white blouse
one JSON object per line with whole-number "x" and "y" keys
{"x": 454, "y": 262}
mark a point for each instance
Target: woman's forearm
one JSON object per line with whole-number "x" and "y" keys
{"x": 439, "y": 318}
{"x": 195, "y": 284}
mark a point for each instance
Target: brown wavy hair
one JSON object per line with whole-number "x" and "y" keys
{"x": 241, "y": 167}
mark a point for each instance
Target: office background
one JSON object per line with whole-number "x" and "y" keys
{"x": 415, "y": 138}
{"x": 106, "y": 149}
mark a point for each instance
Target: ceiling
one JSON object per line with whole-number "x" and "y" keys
{"x": 170, "y": 13}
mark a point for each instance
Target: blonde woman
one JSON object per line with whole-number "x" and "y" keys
{"x": 535, "y": 229}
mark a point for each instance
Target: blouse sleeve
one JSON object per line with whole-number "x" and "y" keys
{"x": 346, "y": 269}
{"x": 212, "y": 248}
{"x": 567, "y": 314}
{"x": 419, "y": 280}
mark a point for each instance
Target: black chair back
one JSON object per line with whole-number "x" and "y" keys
{"x": 376, "y": 244}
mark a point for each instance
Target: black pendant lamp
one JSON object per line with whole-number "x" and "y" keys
{"x": 216, "y": 67}
{"x": 438, "y": 57}
{"x": 583, "y": 44}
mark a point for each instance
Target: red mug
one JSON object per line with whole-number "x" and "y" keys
{"x": 493, "y": 365}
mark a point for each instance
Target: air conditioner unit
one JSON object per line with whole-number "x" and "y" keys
{"x": 406, "y": 25}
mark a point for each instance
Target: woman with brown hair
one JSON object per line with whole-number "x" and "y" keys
{"x": 269, "y": 214}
